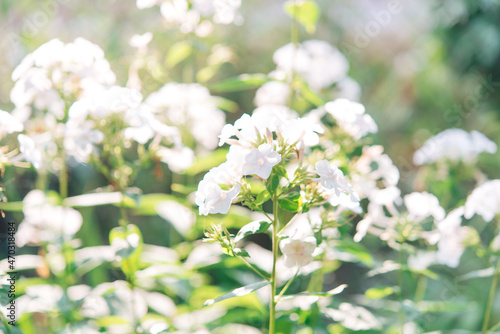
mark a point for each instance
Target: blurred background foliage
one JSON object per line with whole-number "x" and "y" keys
{"x": 434, "y": 65}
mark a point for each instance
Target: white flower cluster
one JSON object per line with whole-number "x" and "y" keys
{"x": 189, "y": 106}
{"x": 45, "y": 222}
{"x": 196, "y": 16}
{"x": 256, "y": 142}
{"x": 484, "y": 201}
{"x": 77, "y": 73}
{"x": 56, "y": 71}
{"x": 317, "y": 62}
{"x": 455, "y": 145}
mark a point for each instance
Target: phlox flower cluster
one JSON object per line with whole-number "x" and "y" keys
{"x": 73, "y": 104}
{"x": 273, "y": 134}
{"x": 189, "y": 106}
{"x": 196, "y": 16}
{"x": 454, "y": 145}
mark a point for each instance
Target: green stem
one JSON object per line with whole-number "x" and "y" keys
{"x": 272, "y": 304}
{"x": 400, "y": 284}
{"x": 63, "y": 178}
{"x": 493, "y": 328}
{"x": 493, "y": 288}
{"x": 421, "y": 287}
{"x": 282, "y": 292}
{"x": 252, "y": 267}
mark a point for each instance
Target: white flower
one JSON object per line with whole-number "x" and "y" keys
{"x": 272, "y": 93}
{"x": 331, "y": 177}
{"x": 298, "y": 252}
{"x": 302, "y": 130}
{"x": 260, "y": 161}
{"x": 79, "y": 139}
{"x": 177, "y": 159}
{"x": 44, "y": 222}
{"x": 56, "y": 70}
{"x": 351, "y": 117}
{"x": 191, "y": 106}
{"x": 455, "y": 145}
{"x": 9, "y": 124}
{"x": 140, "y": 41}
{"x": 212, "y": 199}
{"x": 318, "y": 62}
{"x": 422, "y": 205}
{"x": 31, "y": 152}
{"x": 484, "y": 201}
{"x": 451, "y": 241}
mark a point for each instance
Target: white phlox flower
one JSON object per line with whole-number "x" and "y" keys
{"x": 422, "y": 205}
{"x": 260, "y": 161}
{"x": 190, "y": 106}
{"x": 351, "y": 117}
{"x": 484, "y": 201}
{"x": 56, "y": 70}
{"x": 298, "y": 251}
{"x": 196, "y": 16}
{"x": 272, "y": 93}
{"x": 318, "y": 62}
{"x": 451, "y": 238}
{"x": 79, "y": 139}
{"x": 455, "y": 145}
{"x": 31, "y": 152}
{"x": 9, "y": 124}
{"x": 212, "y": 199}
{"x": 45, "y": 222}
{"x": 178, "y": 159}
{"x": 331, "y": 177}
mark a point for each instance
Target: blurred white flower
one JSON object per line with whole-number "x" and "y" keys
{"x": 177, "y": 159}
{"x": 319, "y": 63}
{"x": 195, "y": 16}
{"x": 190, "y": 106}
{"x": 260, "y": 161}
{"x": 330, "y": 177}
{"x": 30, "y": 150}
{"x": 455, "y": 145}
{"x": 298, "y": 251}
{"x": 79, "y": 139}
{"x": 140, "y": 41}
{"x": 484, "y": 201}
{"x": 212, "y": 199}
{"x": 451, "y": 238}
{"x": 348, "y": 88}
{"x": 272, "y": 93}
{"x": 56, "y": 71}
{"x": 422, "y": 205}
{"x": 9, "y": 124}
{"x": 45, "y": 222}
{"x": 351, "y": 117}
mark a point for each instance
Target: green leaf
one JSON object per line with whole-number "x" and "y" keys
{"x": 438, "y": 306}
{"x": 379, "y": 292}
{"x": 279, "y": 170}
{"x": 128, "y": 245}
{"x": 252, "y": 228}
{"x": 356, "y": 250}
{"x": 262, "y": 197}
{"x": 477, "y": 274}
{"x": 11, "y": 206}
{"x": 241, "y": 252}
{"x": 329, "y": 293}
{"x": 291, "y": 202}
{"x": 306, "y": 12}
{"x": 95, "y": 199}
{"x": 226, "y": 104}
{"x": 177, "y": 53}
{"x": 238, "y": 292}
{"x": 309, "y": 95}
{"x": 272, "y": 183}
{"x": 239, "y": 83}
